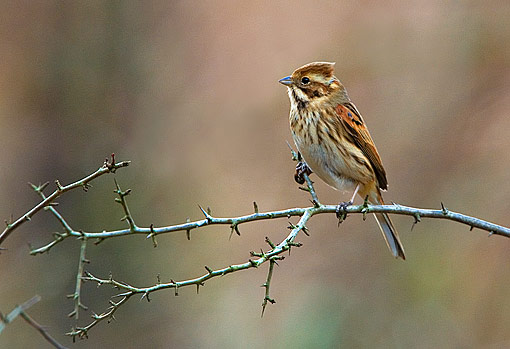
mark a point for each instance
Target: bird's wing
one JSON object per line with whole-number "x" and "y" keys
{"x": 354, "y": 124}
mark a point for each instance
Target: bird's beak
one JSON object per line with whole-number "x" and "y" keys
{"x": 287, "y": 81}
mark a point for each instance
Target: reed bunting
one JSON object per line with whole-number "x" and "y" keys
{"x": 332, "y": 138}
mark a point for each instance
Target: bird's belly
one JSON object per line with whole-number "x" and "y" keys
{"x": 328, "y": 166}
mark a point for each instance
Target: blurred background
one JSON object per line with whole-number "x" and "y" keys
{"x": 188, "y": 92}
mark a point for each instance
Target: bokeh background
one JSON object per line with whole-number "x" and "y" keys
{"x": 187, "y": 90}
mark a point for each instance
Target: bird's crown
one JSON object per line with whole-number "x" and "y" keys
{"x": 322, "y": 69}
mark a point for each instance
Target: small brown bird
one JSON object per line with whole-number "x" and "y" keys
{"x": 332, "y": 138}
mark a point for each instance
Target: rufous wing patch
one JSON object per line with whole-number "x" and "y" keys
{"x": 353, "y": 122}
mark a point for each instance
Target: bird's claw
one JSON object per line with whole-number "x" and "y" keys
{"x": 341, "y": 211}
{"x": 302, "y": 169}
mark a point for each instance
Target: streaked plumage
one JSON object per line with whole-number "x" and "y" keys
{"x": 332, "y": 137}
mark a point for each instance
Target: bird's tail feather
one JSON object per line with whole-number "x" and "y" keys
{"x": 389, "y": 232}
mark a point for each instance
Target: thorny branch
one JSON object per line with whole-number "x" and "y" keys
{"x": 267, "y": 284}
{"x": 108, "y": 167}
{"x": 235, "y": 222}
{"x": 130, "y": 290}
{"x": 76, "y": 296}
{"x": 272, "y": 255}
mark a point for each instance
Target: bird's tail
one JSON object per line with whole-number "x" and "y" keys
{"x": 389, "y": 232}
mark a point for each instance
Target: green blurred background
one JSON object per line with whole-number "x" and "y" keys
{"x": 188, "y": 91}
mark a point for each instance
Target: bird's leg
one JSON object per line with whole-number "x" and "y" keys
{"x": 341, "y": 213}
{"x": 301, "y": 169}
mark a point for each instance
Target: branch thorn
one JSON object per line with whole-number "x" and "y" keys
{"x": 234, "y": 227}
{"x": 59, "y": 186}
{"x": 188, "y": 231}
{"x": 152, "y": 235}
{"x": 206, "y": 213}
{"x": 417, "y": 219}
{"x": 270, "y": 243}
{"x": 444, "y": 209}
{"x": 293, "y": 152}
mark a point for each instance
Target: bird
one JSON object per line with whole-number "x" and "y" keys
{"x": 333, "y": 140}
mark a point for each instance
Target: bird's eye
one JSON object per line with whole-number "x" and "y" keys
{"x": 305, "y": 80}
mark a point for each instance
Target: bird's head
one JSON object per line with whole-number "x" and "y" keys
{"x": 314, "y": 81}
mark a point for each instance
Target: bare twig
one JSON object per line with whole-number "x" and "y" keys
{"x": 5, "y": 320}
{"x": 82, "y": 332}
{"x": 39, "y": 190}
{"x": 311, "y": 190}
{"x": 58, "y": 237}
{"x": 41, "y": 330}
{"x": 76, "y": 296}
{"x": 82, "y": 183}
{"x": 267, "y": 284}
{"x": 20, "y": 311}
{"x": 123, "y": 202}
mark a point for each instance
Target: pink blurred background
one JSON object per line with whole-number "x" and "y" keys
{"x": 188, "y": 92}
